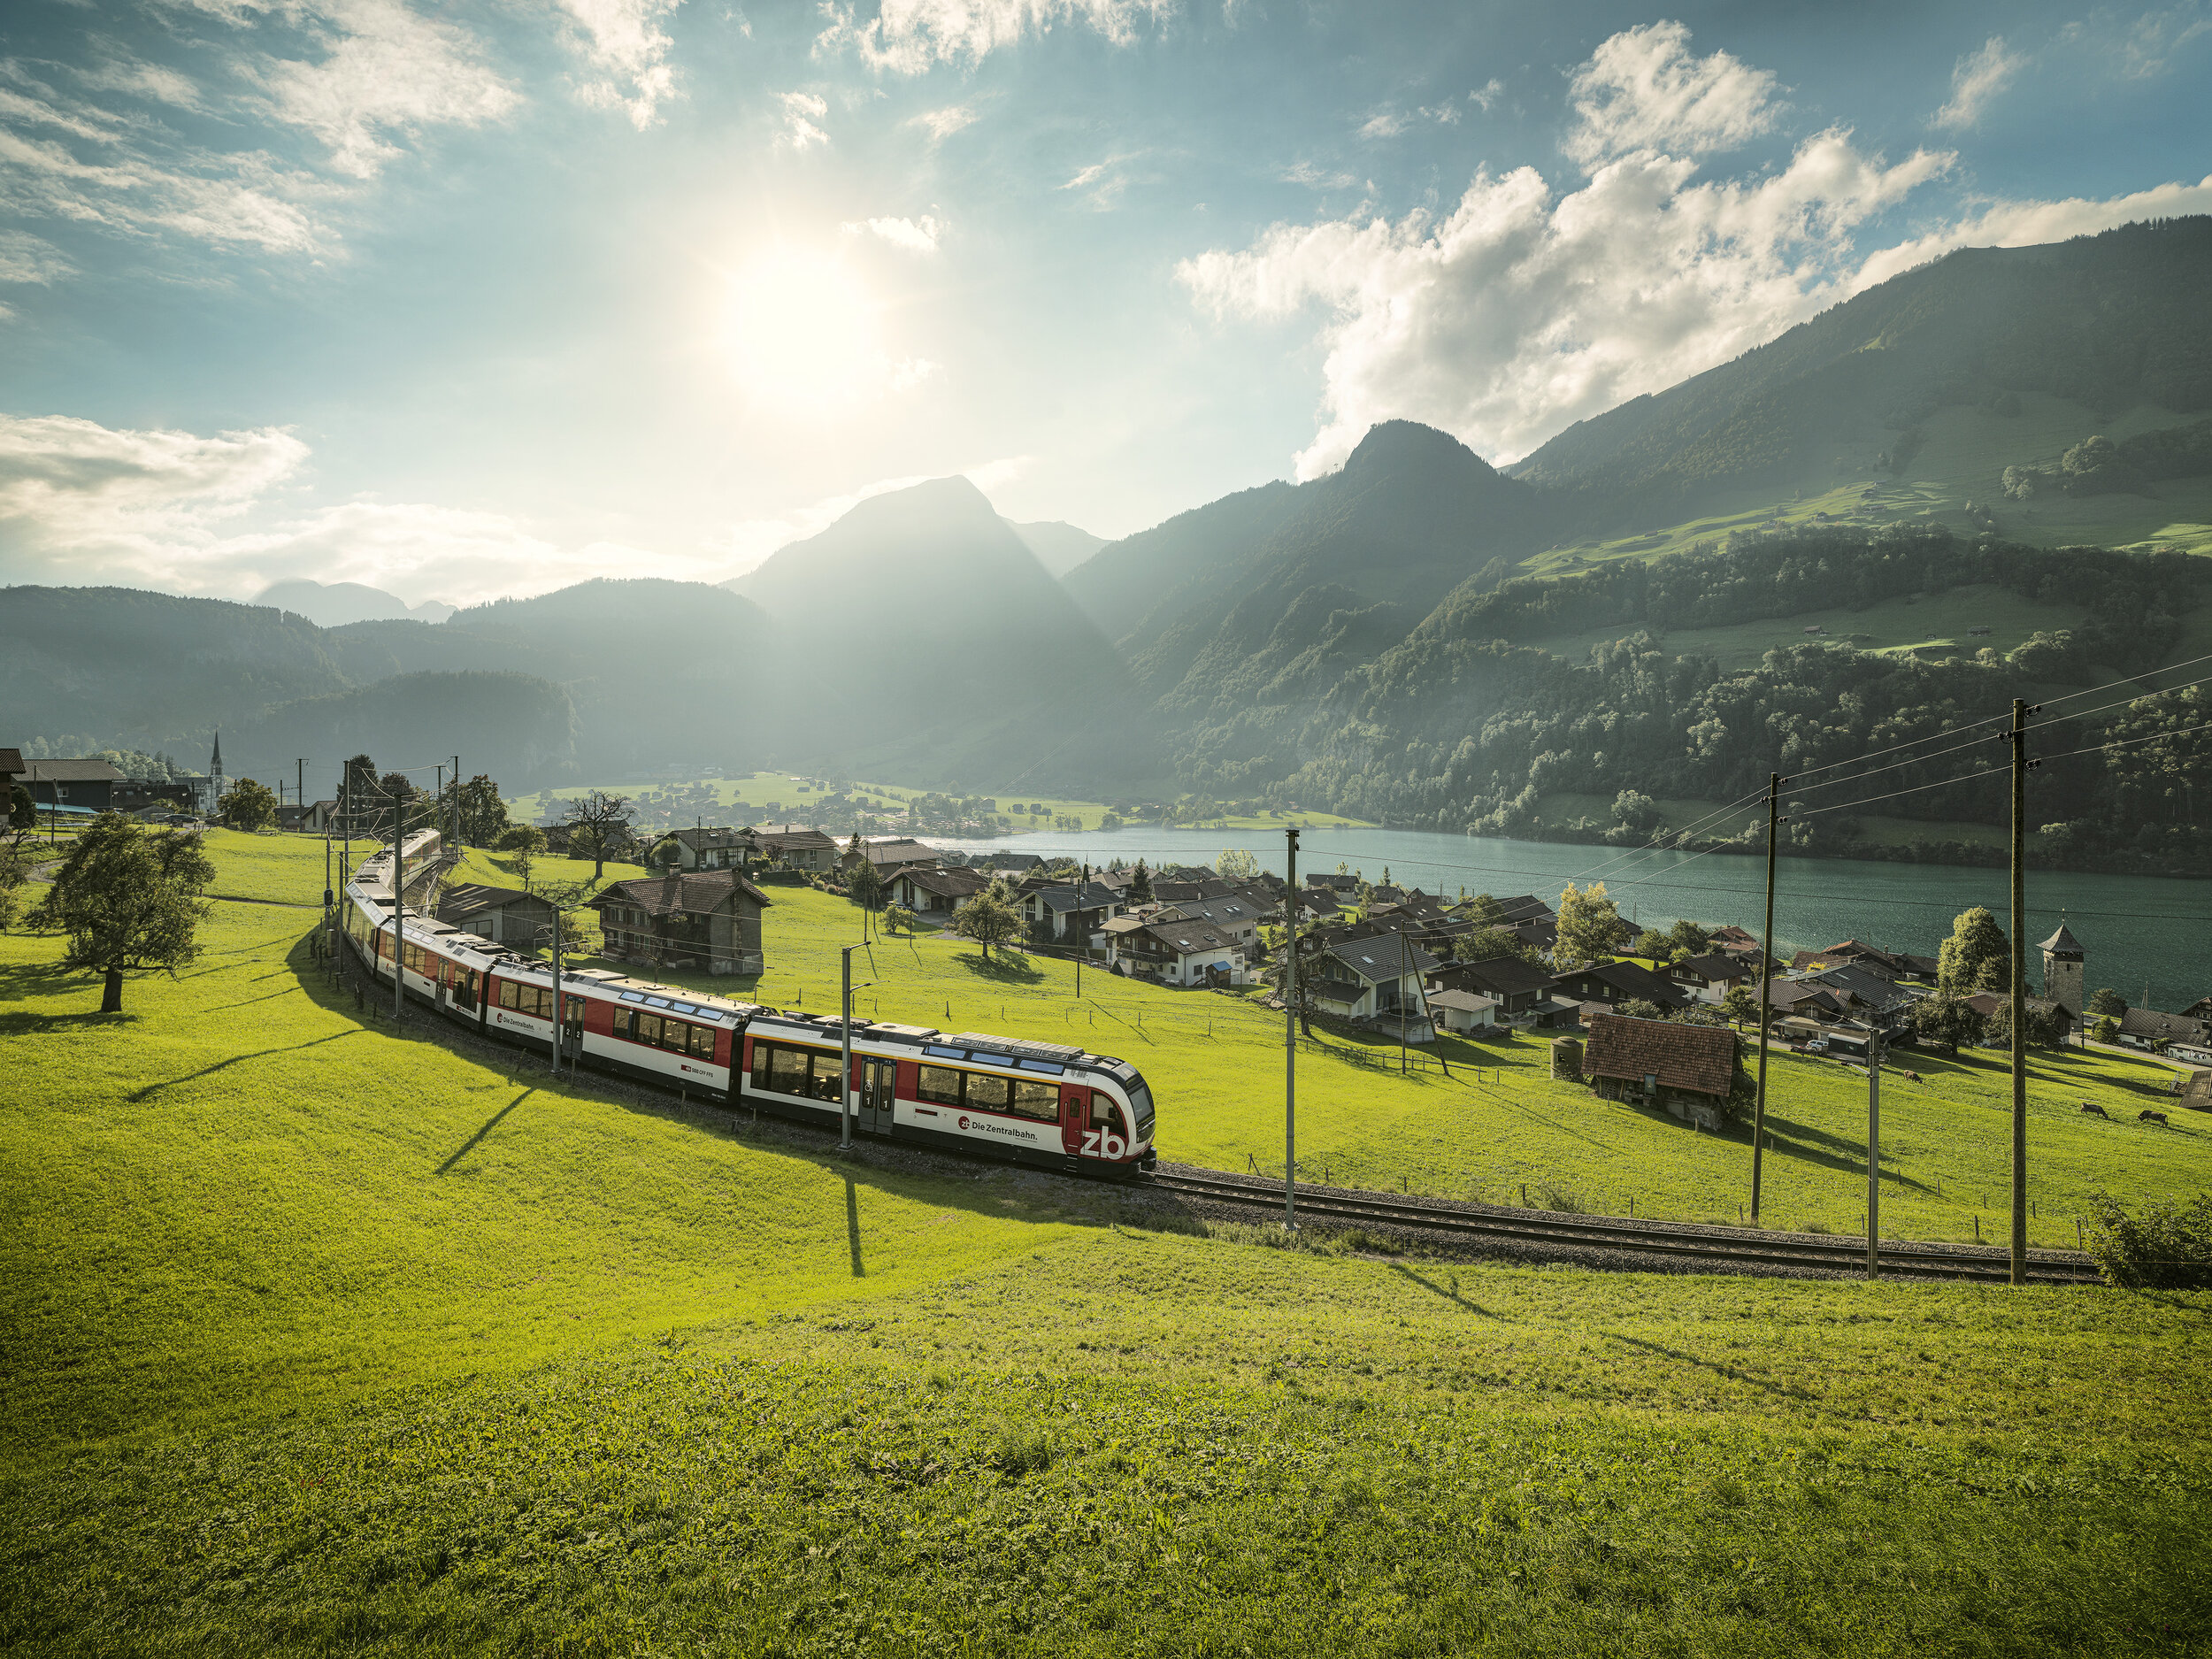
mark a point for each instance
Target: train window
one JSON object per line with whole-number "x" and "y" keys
{"x": 1041, "y": 1101}
{"x": 675, "y": 1035}
{"x": 648, "y": 1028}
{"x": 506, "y": 994}
{"x": 761, "y": 1051}
{"x": 1141, "y": 1098}
{"x": 1106, "y": 1113}
{"x": 786, "y": 1073}
{"x": 986, "y": 1093}
{"x": 939, "y": 1085}
{"x": 703, "y": 1041}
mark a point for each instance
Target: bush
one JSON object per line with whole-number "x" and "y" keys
{"x": 2165, "y": 1245}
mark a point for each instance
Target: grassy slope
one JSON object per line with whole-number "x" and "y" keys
{"x": 1215, "y": 1064}
{"x": 363, "y": 1345}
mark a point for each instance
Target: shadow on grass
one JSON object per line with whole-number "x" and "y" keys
{"x": 32, "y": 1025}
{"x": 852, "y": 1225}
{"x": 1729, "y": 1372}
{"x": 251, "y": 1001}
{"x": 151, "y": 1089}
{"x": 1403, "y": 1272}
{"x": 1008, "y": 967}
{"x": 469, "y": 1145}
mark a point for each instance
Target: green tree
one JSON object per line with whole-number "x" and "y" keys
{"x": 249, "y": 806}
{"x": 1485, "y": 911}
{"x": 898, "y": 920}
{"x": 1741, "y": 1005}
{"x": 2108, "y": 1030}
{"x": 1639, "y": 1008}
{"x": 866, "y": 887}
{"x": 1237, "y": 865}
{"x": 1688, "y": 939}
{"x": 483, "y": 812}
{"x": 1140, "y": 885}
{"x": 14, "y": 868}
{"x": 1489, "y": 944}
{"x": 2109, "y": 1002}
{"x": 1591, "y": 927}
{"x": 523, "y": 843}
{"x": 22, "y": 812}
{"x": 128, "y": 898}
{"x": 1977, "y": 957}
{"x": 1636, "y": 811}
{"x": 988, "y": 919}
{"x": 2045, "y": 1028}
{"x": 597, "y": 821}
{"x": 1946, "y": 1021}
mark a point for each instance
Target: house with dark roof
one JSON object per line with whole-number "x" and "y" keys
{"x": 1801, "y": 997}
{"x": 12, "y": 767}
{"x": 1864, "y": 992}
{"x": 1176, "y": 952}
{"x": 1176, "y": 888}
{"x": 935, "y": 892}
{"x": 75, "y": 786}
{"x": 1615, "y": 982}
{"x": 1519, "y": 986}
{"x": 2148, "y": 1028}
{"x": 1689, "y": 1071}
{"x": 892, "y": 852}
{"x": 1072, "y": 913}
{"x": 709, "y": 848}
{"x": 1710, "y": 978}
{"x": 1363, "y": 975}
{"x": 797, "y": 847}
{"x": 506, "y": 916}
{"x": 1234, "y": 914}
{"x": 708, "y": 920}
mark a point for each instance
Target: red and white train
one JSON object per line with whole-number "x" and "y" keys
{"x": 1003, "y": 1097}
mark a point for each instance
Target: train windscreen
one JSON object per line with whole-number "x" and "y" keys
{"x": 1141, "y": 1103}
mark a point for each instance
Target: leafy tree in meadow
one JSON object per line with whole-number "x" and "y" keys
{"x": 1236, "y": 863}
{"x": 2109, "y": 1002}
{"x": 988, "y": 919}
{"x": 898, "y": 920}
{"x": 1946, "y": 1021}
{"x": 2045, "y": 1028}
{"x": 22, "y": 810}
{"x": 1636, "y": 811}
{"x": 483, "y": 812}
{"x": 597, "y": 821}
{"x": 523, "y": 843}
{"x": 128, "y": 898}
{"x": 249, "y": 806}
{"x": 1977, "y": 957}
{"x": 1591, "y": 927}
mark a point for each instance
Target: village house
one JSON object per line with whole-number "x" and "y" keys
{"x": 1518, "y": 987}
{"x": 934, "y": 893}
{"x": 1801, "y": 998}
{"x": 1176, "y": 889}
{"x": 1318, "y": 903}
{"x": 74, "y": 786}
{"x": 1616, "y": 982}
{"x": 708, "y": 919}
{"x": 2148, "y": 1028}
{"x": 1463, "y": 1011}
{"x": 1708, "y": 979}
{"x": 506, "y": 916}
{"x": 892, "y": 853}
{"x": 1172, "y": 950}
{"x": 1234, "y": 914}
{"x": 709, "y": 847}
{"x": 152, "y": 795}
{"x": 1862, "y": 991}
{"x": 797, "y": 847}
{"x": 1369, "y": 976}
{"x": 1070, "y": 913}
{"x": 1689, "y": 1071}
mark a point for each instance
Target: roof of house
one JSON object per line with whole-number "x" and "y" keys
{"x": 1524, "y": 907}
{"x": 1501, "y": 976}
{"x": 1868, "y": 986}
{"x": 2062, "y": 943}
{"x": 1698, "y": 1058}
{"x": 1733, "y": 936}
{"x": 1374, "y": 959}
{"x": 1630, "y": 979}
{"x": 1801, "y": 993}
{"x": 711, "y": 835}
{"x": 2153, "y": 1023}
{"x": 785, "y": 835}
{"x": 897, "y": 849}
{"x": 71, "y": 771}
{"x": 1472, "y": 1002}
{"x": 1096, "y": 896}
{"x": 1714, "y": 966}
{"x": 1319, "y": 900}
{"x": 1175, "y": 889}
{"x": 1230, "y": 911}
{"x": 692, "y": 893}
{"x": 11, "y": 762}
{"x": 955, "y": 881}
{"x": 473, "y": 899}
{"x": 1188, "y": 938}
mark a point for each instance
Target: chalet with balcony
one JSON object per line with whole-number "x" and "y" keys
{"x": 707, "y": 920}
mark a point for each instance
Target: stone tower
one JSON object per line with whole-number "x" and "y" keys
{"x": 215, "y": 776}
{"x": 2062, "y": 971}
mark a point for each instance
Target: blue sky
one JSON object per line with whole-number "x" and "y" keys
{"x": 464, "y": 300}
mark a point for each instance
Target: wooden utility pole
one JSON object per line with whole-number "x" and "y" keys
{"x": 1290, "y": 1032}
{"x": 1874, "y": 1154}
{"x": 299, "y": 793}
{"x": 1766, "y": 1005}
{"x": 399, "y": 972}
{"x": 2017, "y": 737}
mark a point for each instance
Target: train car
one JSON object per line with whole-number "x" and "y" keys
{"x": 997, "y": 1097}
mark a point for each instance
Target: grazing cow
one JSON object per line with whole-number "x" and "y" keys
{"x": 2099, "y": 1110}
{"x": 2150, "y": 1117}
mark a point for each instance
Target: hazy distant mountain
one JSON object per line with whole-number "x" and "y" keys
{"x": 1059, "y": 547}
{"x": 926, "y": 637}
{"x": 334, "y": 604}
{"x": 513, "y": 727}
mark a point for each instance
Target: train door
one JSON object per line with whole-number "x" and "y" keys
{"x": 572, "y": 1027}
{"x": 878, "y": 1090}
{"x": 1073, "y": 1106}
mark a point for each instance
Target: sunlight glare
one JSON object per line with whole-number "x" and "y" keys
{"x": 803, "y": 333}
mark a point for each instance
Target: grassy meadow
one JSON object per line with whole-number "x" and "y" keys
{"x": 325, "y": 1337}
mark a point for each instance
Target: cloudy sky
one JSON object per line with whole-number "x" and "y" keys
{"x": 463, "y": 299}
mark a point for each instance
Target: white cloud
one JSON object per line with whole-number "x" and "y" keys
{"x": 1644, "y": 89}
{"x": 1976, "y": 79}
{"x": 82, "y": 504}
{"x": 2135, "y": 50}
{"x": 1318, "y": 178}
{"x": 1101, "y": 183}
{"x": 134, "y": 78}
{"x": 388, "y": 72}
{"x": 624, "y": 42}
{"x": 942, "y": 124}
{"x": 1483, "y": 96}
{"x": 907, "y": 36}
{"x": 1522, "y": 310}
{"x": 26, "y": 259}
{"x": 917, "y": 236}
{"x": 2024, "y": 224}
{"x": 801, "y": 112}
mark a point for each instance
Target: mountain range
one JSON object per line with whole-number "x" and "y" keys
{"x": 1890, "y": 470}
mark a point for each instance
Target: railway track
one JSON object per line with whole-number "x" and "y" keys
{"x": 1717, "y": 1247}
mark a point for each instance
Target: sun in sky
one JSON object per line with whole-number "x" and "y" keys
{"x": 804, "y": 331}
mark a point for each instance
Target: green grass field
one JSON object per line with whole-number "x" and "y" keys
{"x": 323, "y": 1337}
